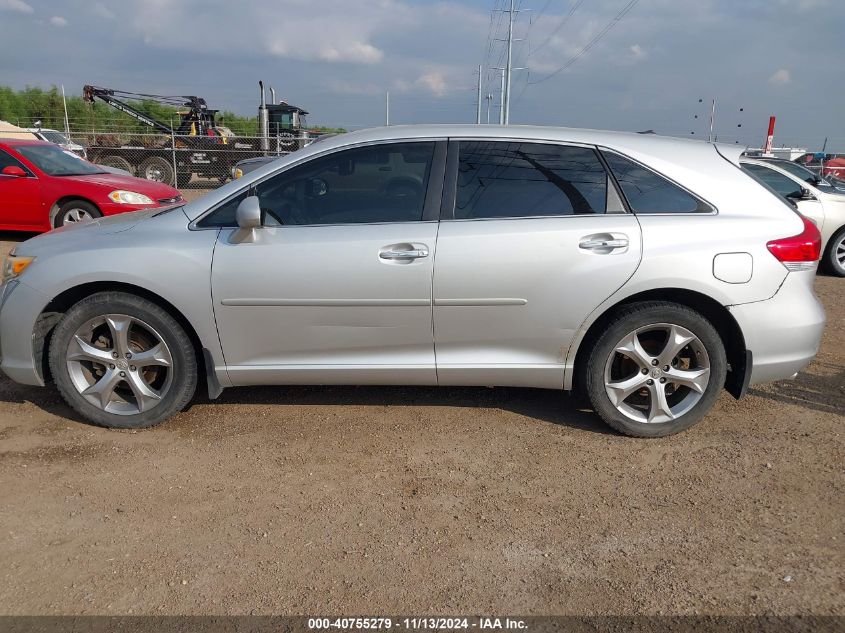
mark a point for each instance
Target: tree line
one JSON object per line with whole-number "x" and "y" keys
{"x": 25, "y": 107}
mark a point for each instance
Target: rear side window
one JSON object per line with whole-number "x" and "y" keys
{"x": 648, "y": 192}
{"x": 499, "y": 179}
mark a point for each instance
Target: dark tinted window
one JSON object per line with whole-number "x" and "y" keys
{"x": 7, "y": 160}
{"x": 783, "y": 185}
{"x": 380, "y": 183}
{"x": 648, "y": 192}
{"x": 503, "y": 180}
{"x": 56, "y": 161}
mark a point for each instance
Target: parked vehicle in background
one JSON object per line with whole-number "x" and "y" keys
{"x": 648, "y": 272}
{"x": 805, "y": 174}
{"x": 43, "y": 186}
{"x": 243, "y": 167}
{"x": 59, "y": 138}
{"x": 196, "y": 145}
{"x": 819, "y": 201}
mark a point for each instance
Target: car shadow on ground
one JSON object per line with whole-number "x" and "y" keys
{"x": 823, "y": 392}
{"x": 555, "y": 407}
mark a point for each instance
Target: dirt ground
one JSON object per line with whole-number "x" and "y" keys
{"x": 425, "y": 501}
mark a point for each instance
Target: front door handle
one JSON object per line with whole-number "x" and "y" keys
{"x": 409, "y": 254}
{"x": 604, "y": 242}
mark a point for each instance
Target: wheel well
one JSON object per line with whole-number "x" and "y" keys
{"x": 712, "y": 310}
{"x": 54, "y": 210}
{"x": 54, "y": 310}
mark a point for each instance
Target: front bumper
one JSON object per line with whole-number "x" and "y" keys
{"x": 782, "y": 333}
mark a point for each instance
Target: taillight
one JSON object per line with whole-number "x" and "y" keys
{"x": 799, "y": 252}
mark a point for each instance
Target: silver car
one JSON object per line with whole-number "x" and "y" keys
{"x": 647, "y": 272}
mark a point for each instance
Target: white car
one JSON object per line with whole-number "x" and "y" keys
{"x": 814, "y": 198}
{"x": 59, "y": 138}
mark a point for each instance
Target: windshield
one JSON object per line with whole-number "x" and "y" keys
{"x": 797, "y": 170}
{"x": 53, "y": 160}
{"x": 55, "y": 137}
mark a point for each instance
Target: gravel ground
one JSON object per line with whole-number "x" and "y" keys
{"x": 408, "y": 500}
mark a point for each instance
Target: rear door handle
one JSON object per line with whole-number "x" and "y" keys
{"x": 604, "y": 242}
{"x": 404, "y": 251}
{"x": 416, "y": 254}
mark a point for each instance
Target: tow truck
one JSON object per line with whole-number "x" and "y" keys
{"x": 197, "y": 145}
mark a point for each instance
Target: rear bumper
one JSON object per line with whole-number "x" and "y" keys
{"x": 782, "y": 333}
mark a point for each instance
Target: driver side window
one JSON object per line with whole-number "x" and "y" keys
{"x": 379, "y": 183}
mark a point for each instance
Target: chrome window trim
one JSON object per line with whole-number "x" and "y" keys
{"x": 193, "y": 225}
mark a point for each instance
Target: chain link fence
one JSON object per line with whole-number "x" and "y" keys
{"x": 184, "y": 162}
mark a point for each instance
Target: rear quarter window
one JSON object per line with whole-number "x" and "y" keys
{"x": 648, "y": 192}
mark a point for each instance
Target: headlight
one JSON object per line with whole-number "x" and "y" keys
{"x": 237, "y": 172}
{"x": 14, "y": 265}
{"x": 129, "y": 197}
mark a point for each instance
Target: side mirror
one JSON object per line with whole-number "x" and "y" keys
{"x": 248, "y": 217}
{"x": 14, "y": 170}
{"x": 248, "y": 214}
{"x": 807, "y": 195}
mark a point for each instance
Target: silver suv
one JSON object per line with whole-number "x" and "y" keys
{"x": 649, "y": 273}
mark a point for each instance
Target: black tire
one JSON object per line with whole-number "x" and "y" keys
{"x": 630, "y": 319}
{"x": 157, "y": 169}
{"x": 832, "y": 254}
{"x": 182, "y": 384}
{"x": 73, "y": 211}
{"x": 116, "y": 161}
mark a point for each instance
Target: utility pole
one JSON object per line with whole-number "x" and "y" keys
{"x": 506, "y": 104}
{"x": 478, "y": 109}
{"x": 387, "y": 108}
{"x": 502, "y": 102}
{"x": 712, "y": 119}
{"x": 489, "y": 98}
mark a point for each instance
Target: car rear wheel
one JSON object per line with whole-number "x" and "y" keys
{"x": 835, "y": 254}
{"x": 116, "y": 161}
{"x": 157, "y": 169}
{"x": 122, "y": 362}
{"x": 656, "y": 370}
{"x": 75, "y": 212}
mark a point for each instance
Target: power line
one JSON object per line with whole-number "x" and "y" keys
{"x": 537, "y": 18}
{"x": 618, "y": 18}
{"x": 563, "y": 22}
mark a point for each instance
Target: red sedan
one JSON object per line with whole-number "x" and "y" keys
{"x": 43, "y": 186}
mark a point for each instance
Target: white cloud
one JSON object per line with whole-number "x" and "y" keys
{"x": 780, "y": 78}
{"x": 637, "y": 51}
{"x": 18, "y": 6}
{"x": 434, "y": 82}
{"x": 102, "y": 11}
{"x": 58, "y": 20}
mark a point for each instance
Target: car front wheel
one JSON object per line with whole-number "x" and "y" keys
{"x": 656, "y": 370}
{"x": 123, "y": 362}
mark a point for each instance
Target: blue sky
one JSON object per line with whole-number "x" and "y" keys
{"x": 337, "y": 58}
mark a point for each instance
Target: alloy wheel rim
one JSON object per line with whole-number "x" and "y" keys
{"x": 154, "y": 173}
{"x": 839, "y": 254}
{"x": 76, "y": 215}
{"x": 119, "y": 364}
{"x": 657, "y": 373}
